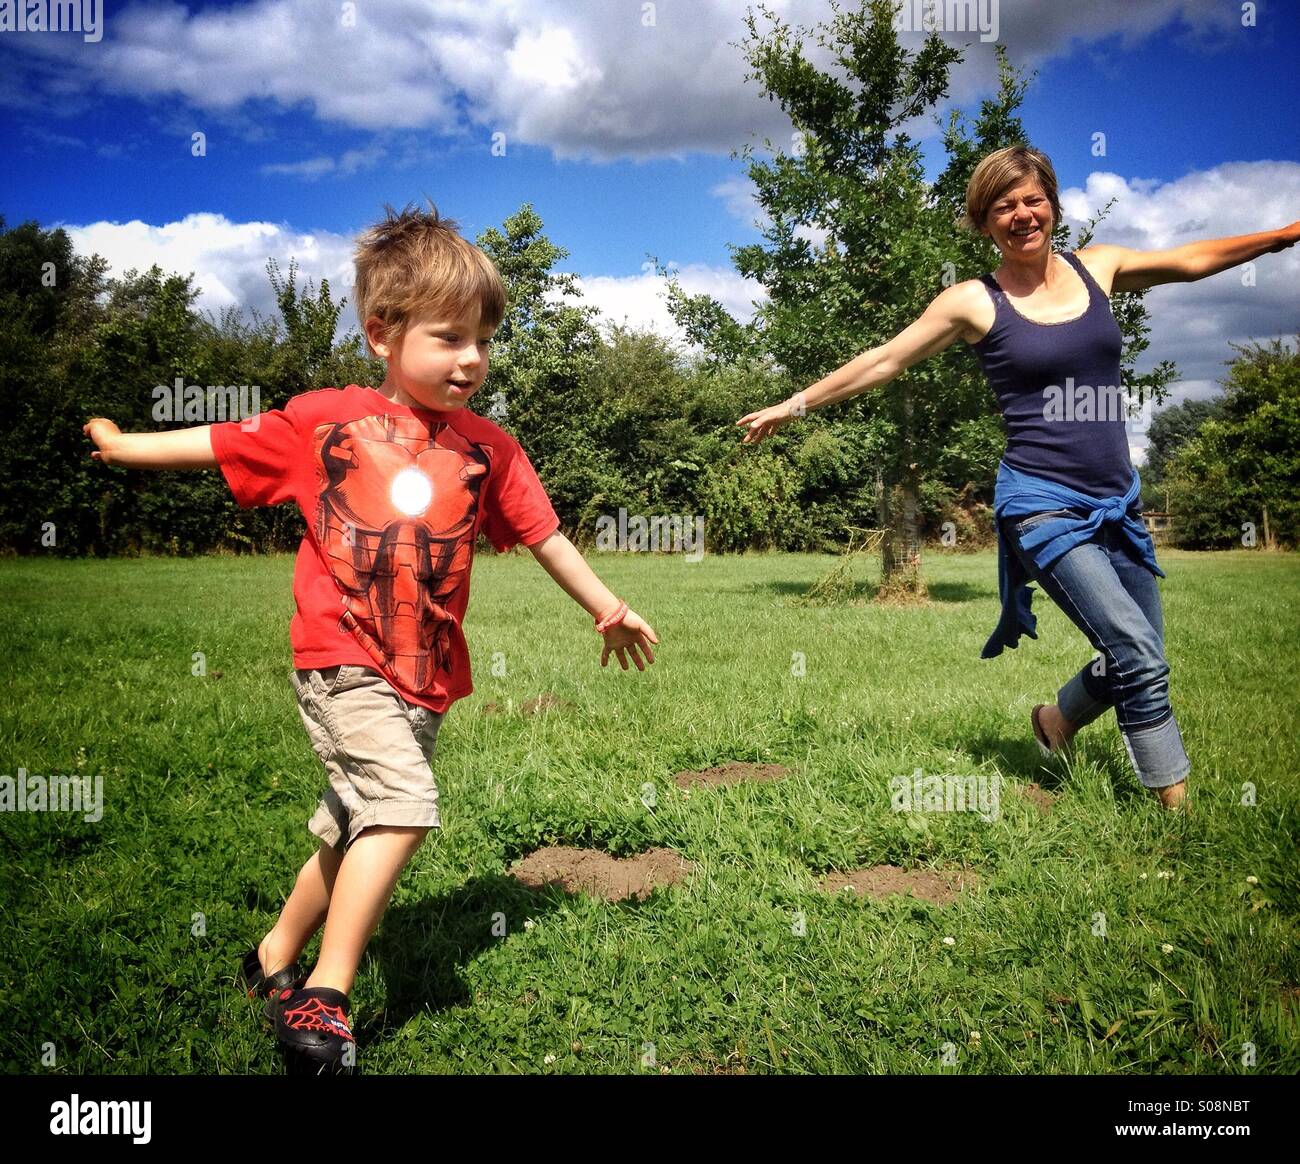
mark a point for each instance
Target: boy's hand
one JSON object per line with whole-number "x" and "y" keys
{"x": 105, "y": 434}
{"x": 628, "y": 637}
{"x": 179, "y": 448}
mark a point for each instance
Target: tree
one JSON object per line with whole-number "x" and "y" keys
{"x": 542, "y": 356}
{"x": 75, "y": 344}
{"x": 1237, "y": 481}
{"x": 309, "y": 355}
{"x": 1170, "y": 430}
{"x": 49, "y": 306}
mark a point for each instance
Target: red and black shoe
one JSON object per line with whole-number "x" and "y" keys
{"x": 268, "y": 986}
{"x": 311, "y": 1026}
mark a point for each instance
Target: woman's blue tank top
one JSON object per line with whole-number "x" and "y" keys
{"x": 1058, "y": 387}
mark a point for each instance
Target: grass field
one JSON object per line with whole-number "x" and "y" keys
{"x": 121, "y": 937}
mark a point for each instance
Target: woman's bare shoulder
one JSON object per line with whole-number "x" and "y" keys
{"x": 969, "y": 302}
{"x": 1102, "y": 261}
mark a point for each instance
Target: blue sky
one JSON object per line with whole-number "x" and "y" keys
{"x": 619, "y": 131}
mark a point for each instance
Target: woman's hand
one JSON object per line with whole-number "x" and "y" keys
{"x": 628, "y": 637}
{"x": 1290, "y": 235}
{"x": 105, "y": 435}
{"x": 766, "y": 421}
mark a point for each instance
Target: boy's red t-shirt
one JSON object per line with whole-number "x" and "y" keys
{"x": 394, "y": 498}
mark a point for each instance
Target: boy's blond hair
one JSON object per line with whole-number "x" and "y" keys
{"x": 1001, "y": 170}
{"x": 414, "y": 265}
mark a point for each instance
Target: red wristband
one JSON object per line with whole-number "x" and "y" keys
{"x": 617, "y": 615}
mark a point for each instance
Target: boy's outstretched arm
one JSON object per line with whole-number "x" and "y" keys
{"x": 631, "y": 635}
{"x": 180, "y": 448}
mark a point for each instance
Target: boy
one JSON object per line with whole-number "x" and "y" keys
{"x": 395, "y": 484}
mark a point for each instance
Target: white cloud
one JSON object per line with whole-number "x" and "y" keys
{"x": 581, "y": 77}
{"x": 1185, "y": 390}
{"x": 639, "y": 300}
{"x": 228, "y": 259}
{"x": 310, "y": 169}
{"x": 345, "y": 165}
{"x": 741, "y": 200}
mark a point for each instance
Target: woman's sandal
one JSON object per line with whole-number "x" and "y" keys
{"x": 269, "y": 986}
{"x": 1044, "y": 744}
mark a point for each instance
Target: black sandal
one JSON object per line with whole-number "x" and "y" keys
{"x": 313, "y": 1033}
{"x": 256, "y": 984}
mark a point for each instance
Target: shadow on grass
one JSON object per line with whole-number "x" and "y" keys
{"x": 864, "y": 592}
{"x": 1016, "y": 755}
{"x": 960, "y": 592}
{"x": 1020, "y": 757}
{"x": 422, "y": 947}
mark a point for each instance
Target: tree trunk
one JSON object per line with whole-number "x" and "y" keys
{"x": 900, "y": 565}
{"x": 901, "y": 547}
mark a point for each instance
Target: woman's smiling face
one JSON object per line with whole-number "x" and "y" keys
{"x": 1020, "y": 220}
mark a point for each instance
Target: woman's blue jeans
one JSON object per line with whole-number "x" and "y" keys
{"x": 1110, "y": 596}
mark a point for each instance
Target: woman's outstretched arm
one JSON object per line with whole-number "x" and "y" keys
{"x": 940, "y": 325}
{"x": 1137, "y": 270}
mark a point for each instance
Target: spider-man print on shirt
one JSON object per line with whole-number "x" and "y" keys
{"x": 398, "y": 503}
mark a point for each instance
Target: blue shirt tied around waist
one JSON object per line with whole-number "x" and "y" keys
{"x": 1019, "y": 494}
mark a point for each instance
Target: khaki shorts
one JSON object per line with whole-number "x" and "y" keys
{"x": 376, "y": 749}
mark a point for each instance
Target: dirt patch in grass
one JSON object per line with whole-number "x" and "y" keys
{"x": 736, "y": 772}
{"x": 597, "y": 873}
{"x": 880, "y": 881}
{"x": 538, "y": 705}
{"x": 1037, "y": 796}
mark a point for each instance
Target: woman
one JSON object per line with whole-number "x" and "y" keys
{"x": 1066, "y": 501}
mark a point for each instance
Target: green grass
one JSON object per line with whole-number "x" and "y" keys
{"x": 208, "y": 783}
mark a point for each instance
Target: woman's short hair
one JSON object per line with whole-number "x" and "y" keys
{"x": 998, "y": 173}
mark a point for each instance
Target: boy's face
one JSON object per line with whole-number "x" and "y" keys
{"x": 439, "y": 363}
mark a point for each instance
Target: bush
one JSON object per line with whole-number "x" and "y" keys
{"x": 749, "y": 503}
